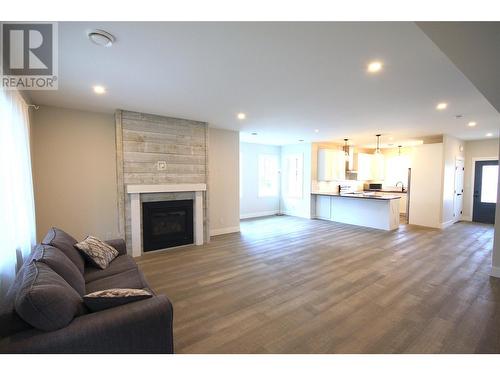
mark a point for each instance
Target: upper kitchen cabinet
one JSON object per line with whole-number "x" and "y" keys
{"x": 331, "y": 164}
{"x": 365, "y": 162}
{"x": 370, "y": 167}
{"x": 378, "y": 167}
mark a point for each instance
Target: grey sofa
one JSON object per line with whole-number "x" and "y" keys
{"x": 64, "y": 324}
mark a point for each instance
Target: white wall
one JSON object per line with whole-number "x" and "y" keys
{"x": 487, "y": 149}
{"x": 223, "y": 181}
{"x": 453, "y": 148}
{"x": 293, "y": 206}
{"x": 251, "y": 205}
{"x": 74, "y": 172}
{"x": 495, "y": 269}
{"x": 426, "y": 194}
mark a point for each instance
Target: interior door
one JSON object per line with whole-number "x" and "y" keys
{"x": 485, "y": 191}
{"x": 459, "y": 189}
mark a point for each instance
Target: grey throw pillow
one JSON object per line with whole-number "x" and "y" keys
{"x": 97, "y": 252}
{"x": 105, "y": 299}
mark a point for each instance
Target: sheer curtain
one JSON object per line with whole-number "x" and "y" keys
{"x": 17, "y": 208}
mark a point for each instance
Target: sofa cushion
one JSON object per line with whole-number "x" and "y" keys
{"x": 45, "y": 300}
{"x": 62, "y": 265}
{"x": 97, "y": 252}
{"x": 130, "y": 279}
{"x": 118, "y": 265}
{"x": 64, "y": 242}
{"x": 10, "y": 321}
{"x": 108, "y": 298}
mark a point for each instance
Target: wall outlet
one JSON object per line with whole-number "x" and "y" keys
{"x": 161, "y": 165}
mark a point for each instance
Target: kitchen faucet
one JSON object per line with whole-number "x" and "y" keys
{"x": 402, "y": 185}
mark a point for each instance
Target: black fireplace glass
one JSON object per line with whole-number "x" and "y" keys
{"x": 167, "y": 224}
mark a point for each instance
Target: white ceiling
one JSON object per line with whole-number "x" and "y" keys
{"x": 476, "y": 52}
{"x": 289, "y": 78}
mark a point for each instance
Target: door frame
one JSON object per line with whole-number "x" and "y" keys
{"x": 473, "y": 174}
{"x": 460, "y": 217}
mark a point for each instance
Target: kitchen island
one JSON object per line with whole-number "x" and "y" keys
{"x": 364, "y": 209}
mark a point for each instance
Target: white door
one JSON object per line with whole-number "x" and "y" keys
{"x": 459, "y": 189}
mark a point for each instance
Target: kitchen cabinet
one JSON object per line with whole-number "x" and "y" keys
{"x": 372, "y": 212}
{"x": 378, "y": 167}
{"x": 402, "y": 201}
{"x": 323, "y": 207}
{"x": 364, "y": 166}
{"x": 371, "y": 167}
{"x": 331, "y": 165}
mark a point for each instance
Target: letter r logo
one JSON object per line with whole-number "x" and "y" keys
{"x": 27, "y": 49}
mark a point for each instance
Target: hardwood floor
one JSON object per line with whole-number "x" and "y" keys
{"x": 291, "y": 285}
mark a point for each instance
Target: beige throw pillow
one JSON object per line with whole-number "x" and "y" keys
{"x": 106, "y": 299}
{"x": 97, "y": 252}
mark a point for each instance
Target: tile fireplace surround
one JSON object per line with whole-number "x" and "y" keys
{"x": 135, "y": 192}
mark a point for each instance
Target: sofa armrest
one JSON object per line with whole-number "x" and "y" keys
{"x": 119, "y": 244}
{"x": 139, "y": 327}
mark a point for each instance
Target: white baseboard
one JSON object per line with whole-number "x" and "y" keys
{"x": 258, "y": 214}
{"x": 217, "y": 232}
{"x": 495, "y": 271}
{"x": 447, "y": 224}
{"x": 466, "y": 218}
{"x": 293, "y": 213}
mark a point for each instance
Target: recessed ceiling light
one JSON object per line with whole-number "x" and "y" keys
{"x": 99, "y": 90}
{"x": 489, "y": 134}
{"x": 374, "y": 67}
{"x": 391, "y": 138}
{"x": 316, "y": 130}
{"x": 254, "y": 133}
{"x": 241, "y": 116}
{"x": 101, "y": 38}
{"x": 441, "y": 106}
{"x": 472, "y": 124}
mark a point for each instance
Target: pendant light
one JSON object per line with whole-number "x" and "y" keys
{"x": 399, "y": 150}
{"x": 377, "y": 150}
{"x": 346, "y": 149}
{"x": 378, "y": 162}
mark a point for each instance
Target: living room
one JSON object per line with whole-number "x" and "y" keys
{"x": 249, "y": 187}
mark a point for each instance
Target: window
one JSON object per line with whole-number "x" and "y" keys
{"x": 295, "y": 175}
{"x": 17, "y": 214}
{"x": 268, "y": 175}
{"x": 489, "y": 184}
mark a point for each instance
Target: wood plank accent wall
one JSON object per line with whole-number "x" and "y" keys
{"x": 144, "y": 139}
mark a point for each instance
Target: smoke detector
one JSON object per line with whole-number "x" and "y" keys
{"x": 101, "y": 38}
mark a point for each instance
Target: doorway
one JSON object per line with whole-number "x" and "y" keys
{"x": 485, "y": 191}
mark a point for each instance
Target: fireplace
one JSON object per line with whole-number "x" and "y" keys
{"x": 166, "y": 224}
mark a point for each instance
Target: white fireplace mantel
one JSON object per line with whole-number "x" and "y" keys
{"x": 135, "y": 192}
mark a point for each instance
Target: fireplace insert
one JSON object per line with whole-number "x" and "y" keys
{"x": 167, "y": 224}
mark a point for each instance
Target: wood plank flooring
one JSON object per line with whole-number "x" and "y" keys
{"x": 291, "y": 285}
